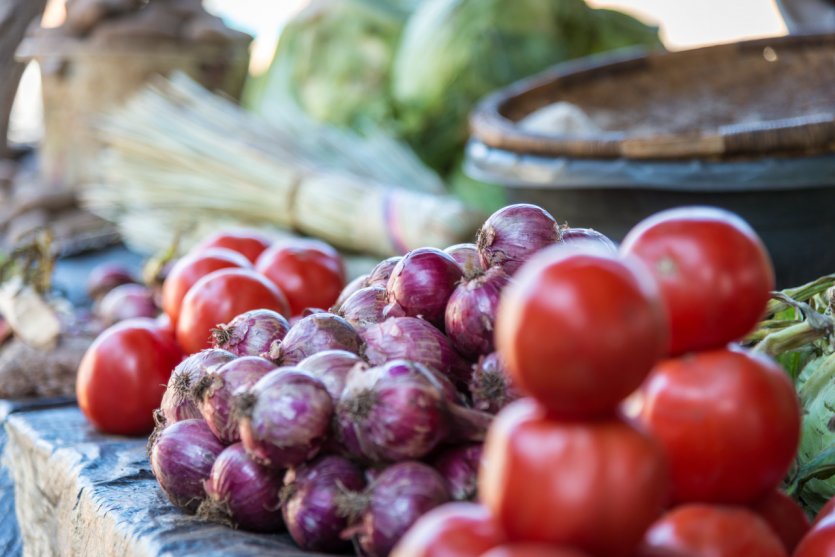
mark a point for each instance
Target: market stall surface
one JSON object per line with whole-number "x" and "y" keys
{"x": 78, "y": 492}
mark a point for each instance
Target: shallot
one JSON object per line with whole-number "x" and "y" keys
{"x": 459, "y": 467}
{"x": 466, "y": 255}
{"x": 471, "y": 312}
{"x": 251, "y": 333}
{"x": 178, "y": 402}
{"x": 490, "y": 386}
{"x": 422, "y": 282}
{"x": 312, "y": 334}
{"x": 382, "y": 271}
{"x": 511, "y": 235}
{"x": 125, "y": 302}
{"x": 369, "y": 306}
{"x": 331, "y": 367}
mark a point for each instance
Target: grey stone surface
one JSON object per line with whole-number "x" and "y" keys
{"x": 81, "y": 493}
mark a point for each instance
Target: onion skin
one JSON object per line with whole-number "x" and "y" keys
{"x": 126, "y": 301}
{"x": 459, "y": 467}
{"x": 471, "y": 312}
{"x": 312, "y": 496}
{"x": 490, "y": 386}
{"x": 571, "y": 235}
{"x": 178, "y": 402}
{"x": 466, "y": 255}
{"x": 251, "y": 333}
{"x": 214, "y": 394}
{"x": 369, "y": 306}
{"x": 312, "y": 334}
{"x": 105, "y": 277}
{"x": 422, "y": 282}
{"x": 284, "y": 418}
{"x": 243, "y": 493}
{"x": 181, "y": 457}
{"x": 350, "y": 288}
{"x": 410, "y": 338}
{"x": 381, "y": 273}
{"x": 331, "y": 367}
{"x": 511, "y": 235}
{"x": 410, "y": 487}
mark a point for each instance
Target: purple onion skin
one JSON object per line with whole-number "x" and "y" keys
{"x": 313, "y": 493}
{"x": 350, "y": 288}
{"x": 331, "y": 367}
{"x": 105, "y": 277}
{"x": 178, "y": 402}
{"x": 381, "y": 273}
{"x": 214, "y": 393}
{"x": 511, "y": 235}
{"x": 243, "y": 492}
{"x": 409, "y": 338}
{"x": 126, "y": 301}
{"x": 490, "y": 386}
{"x": 466, "y": 255}
{"x": 285, "y": 418}
{"x": 422, "y": 282}
{"x": 471, "y": 312}
{"x": 181, "y": 457}
{"x": 251, "y": 333}
{"x": 312, "y": 334}
{"x": 459, "y": 467}
{"x": 413, "y": 489}
{"x": 571, "y": 235}
{"x": 369, "y": 306}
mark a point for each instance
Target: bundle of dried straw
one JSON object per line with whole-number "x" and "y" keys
{"x": 179, "y": 160}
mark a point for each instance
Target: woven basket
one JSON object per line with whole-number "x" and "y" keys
{"x": 766, "y": 97}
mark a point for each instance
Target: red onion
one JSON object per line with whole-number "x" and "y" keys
{"x": 251, "y": 333}
{"x": 215, "y": 390}
{"x": 422, "y": 282}
{"x": 399, "y": 411}
{"x": 331, "y": 367}
{"x": 350, "y": 288}
{"x": 409, "y": 338}
{"x": 127, "y": 301}
{"x": 471, "y": 312}
{"x": 570, "y": 235}
{"x": 314, "y": 498}
{"x": 105, "y": 277}
{"x": 382, "y": 272}
{"x": 459, "y": 467}
{"x": 400, "y": 495}
{"x": 490, "y": 387}
{"x": 284, "y": 417}
{"x": 181, "y": 459}
{"x": 369, "y": 306}
{"x": 242, "y": 493}
{"x": 312, "y": 334}
{"x": 512, "y": 234}
{"x": 178, "y": 402}
{"x": 466, "y": 255}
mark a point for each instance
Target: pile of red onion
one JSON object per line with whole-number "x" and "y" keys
{"x": 323, "y": 427}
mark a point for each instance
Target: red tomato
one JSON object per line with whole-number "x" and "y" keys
{"x": 820, "y": 541}
{"x": 578, "y": 331}
{"x": 451, "y": 530}
{"x": 785, "y": 517}
{"x": 246, "y": 241}
{"x": 729, "y": 421}
{"x": 826, "y": 510}
{"x": 309, "y": 272}
{"x": 714, "y": 272}
{"x": 218, "y": 298}
{"x": 532, "y": 550}
{"x": 698, "y": 530}
{"x": 192, "y": 268}
{"x": 122, "y": 376}
{"x": 595, "y": 486}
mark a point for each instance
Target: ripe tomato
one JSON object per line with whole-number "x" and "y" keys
{"x": 785, "y": 517}
{"x": 451, "y": 530}
{"x": 729, "y": 421}
{"x": 219, "y": 297}
{"x": 711, "y": 531}
{"x": 820, "y": 541}
{"x": 532, "y": 550}
{"x": 579, "y": 331}
{"x": 246, "y": 241}
{"x": 190, "y": 269}
{"x": 309, "y": 272}
{"x": 122, "y": 376}
{"x": 714, "y": 272}
{"x": 595, "y": 486}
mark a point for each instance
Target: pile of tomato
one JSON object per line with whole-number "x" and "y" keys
{"x": 123, "y": 375}
{"x": 647, "y": 430}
